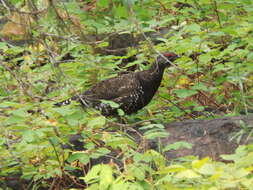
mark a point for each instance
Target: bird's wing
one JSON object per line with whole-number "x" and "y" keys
{"x": 114, "y": 87}
{"x": 125, "y": 90}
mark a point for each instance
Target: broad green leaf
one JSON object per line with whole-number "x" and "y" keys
{"x": 106, "y": 177}
{"x": 96, "y": 122}
{"x": 205, "y": 58}
{"x": 64, "y": 110}
{"x": 93, "y": 174}
{"x": 200, "y": 86}
{"x": 103, "y": 151}
{"x": 7, "y": 104}
{"x": 188, "y": 174}
{"x": 184, "y": 93}
{"x": 3, "y": 92}
{"x": 81, "y": 156}
{"x": 137, "y": 172}
{"x": 196, "y": 164}
{"x": 207, "y": 169}
{"x": 121, "y": 11}
{"x": 29, "y": 136}
{"x": 14, "y": 119}
{"x": 193, "y": 28}
{"x": 111, "y": 103}
{"x": 103, "y": 3}
{"x": 120, "y": 112}
{"x": 177, "y": 145}
{"x": 171, "y": 169}
{"x": 20, "y": 113}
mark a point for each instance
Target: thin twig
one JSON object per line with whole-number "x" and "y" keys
{"x": 22, "y": 85}
{"x": 174, "y": 104}
{"x": 128, "y": 125}
{"x": 148, "y": 40}
{"x": 217, "y": 12}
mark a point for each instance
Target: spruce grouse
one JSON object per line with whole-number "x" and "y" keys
{"x": 131, "y": 91}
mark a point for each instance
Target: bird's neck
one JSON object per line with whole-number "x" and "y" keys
{"x": 152, "y": 77}
{"x": 156, "y": 70}
{"x": 150, "y": 80}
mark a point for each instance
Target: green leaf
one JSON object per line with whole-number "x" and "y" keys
{"x": 184, "y": 93}
{"x": 120, "y": 112}
{"x": 3, "y": 92}
{"x": 152, "y": 126}
{"x": 121, "y": 12}
{"x": 193, "y": 28}
{"x": 29, "y": 136}
{"x": 240, "y": 173}
{"x": 207, "y": 169}
{"x": 106, "y": 177}
{"x": 200, "y": 86}
{"x": 3, "y": 46}
{"x": 2, "y": 141}
{"x": 153, "y": 134}
{"x": 171, "y": 169}
{"x": 64, "y": 110}
{"x": 103, "y": 151}
{"x": 219, "y": 33}
{"x": 14, "y": 119}
{"x": 178, "y": 145}
{"x": 205, "y": 58}
{"x": 93, "y": 174}
{"x": 20, "y": 113}
{"x": 111, "y": 103}
{"x": 103, "y": 3}
{"x": 97, "y": 122}
{"x": 81, "y": 156}
{"x": 7, "y": 104}
{"x": 137, "y": 171}
{"x": 187, "y": 174}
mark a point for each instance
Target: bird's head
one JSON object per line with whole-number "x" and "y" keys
{"x": 165, "y": 59}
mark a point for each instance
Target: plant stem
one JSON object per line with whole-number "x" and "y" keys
{"x": 217, "y": 12}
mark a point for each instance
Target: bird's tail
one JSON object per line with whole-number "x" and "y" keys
{"x": 66, "y": 102}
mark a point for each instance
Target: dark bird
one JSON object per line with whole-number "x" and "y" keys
{"x": 131, "y": 91}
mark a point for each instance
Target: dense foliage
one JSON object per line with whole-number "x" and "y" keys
{"x": 65, "y": 53}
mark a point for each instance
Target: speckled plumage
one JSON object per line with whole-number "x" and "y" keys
{"x": 131, "y": 91}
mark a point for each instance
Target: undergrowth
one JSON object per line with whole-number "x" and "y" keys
{"x": 68, "y": 48}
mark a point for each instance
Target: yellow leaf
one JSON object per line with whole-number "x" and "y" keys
{"x": 189, "y": 174}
